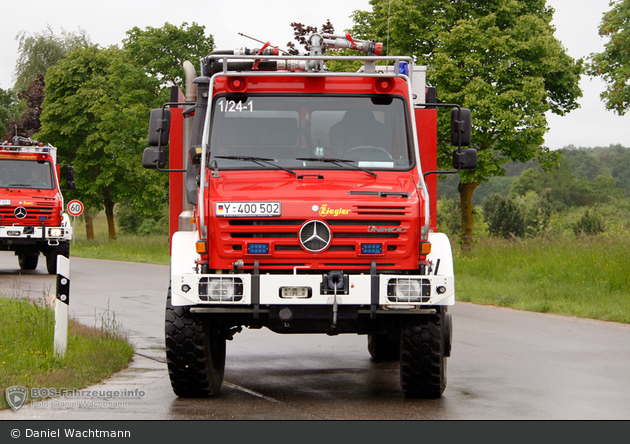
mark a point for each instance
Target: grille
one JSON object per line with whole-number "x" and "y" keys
{"x": 35, "y": 214}
{"x": 288, "y": 236}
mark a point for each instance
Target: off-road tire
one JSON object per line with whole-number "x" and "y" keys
{"x": 384, "y": 346}
{"x": 28, "y": 261}
{"x": 423, "y": 357}
{"x": 51, "y": 257}
{"x": 195, "y": 353}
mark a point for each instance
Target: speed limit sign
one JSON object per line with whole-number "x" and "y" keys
{"x": 75, "y": 208}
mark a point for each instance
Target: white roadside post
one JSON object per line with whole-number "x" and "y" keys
{"x": 61, "y": 306}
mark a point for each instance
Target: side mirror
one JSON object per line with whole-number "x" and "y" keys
{"x": 70, "y": 173}
{"x": 461, "y": 126}
{"x": 72, "y": 185}
{"x": 159, "y": 127}
{"x": 154, "y": 158}
{"x": 465, "y": 159}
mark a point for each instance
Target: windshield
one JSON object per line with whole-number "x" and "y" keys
{"x": 307, "y": 132}
{"x": 16, "y": 173}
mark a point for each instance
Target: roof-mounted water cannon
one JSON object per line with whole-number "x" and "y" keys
{"x": 370, "y": 48}
{"x": 346, "y": 41}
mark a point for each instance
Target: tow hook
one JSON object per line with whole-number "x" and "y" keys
{"x": 335, "y": 278}
{"x": 232, "y": 331}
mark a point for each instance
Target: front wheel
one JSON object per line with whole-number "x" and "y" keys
{"x": 28, "y": 261}
{"x": 51, "y": 257}
{"x": 195, "y": 352}
{"x": 425, "y": 344}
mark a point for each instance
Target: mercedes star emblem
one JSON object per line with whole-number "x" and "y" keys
{"x": 315, "y": 236}
{"x": 20, "y": 212}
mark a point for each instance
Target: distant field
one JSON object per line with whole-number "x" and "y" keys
{"x": 587, "y": 277}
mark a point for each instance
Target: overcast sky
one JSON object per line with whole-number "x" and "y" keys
{"x": 576, "y": 23}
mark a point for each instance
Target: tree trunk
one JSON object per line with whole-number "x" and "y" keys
{"x": 109, "y": 212}
{"x": 465, "y": 196}
{"x": 89, "y": 226}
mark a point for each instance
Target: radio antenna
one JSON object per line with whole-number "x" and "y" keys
{"x": 259, "y": 41}
{"x": 389, "y": 13}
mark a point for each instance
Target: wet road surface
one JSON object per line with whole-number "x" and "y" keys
{"x": 505, "y": 364}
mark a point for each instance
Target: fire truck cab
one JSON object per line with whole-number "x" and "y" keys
{"x": 32, "y": 217}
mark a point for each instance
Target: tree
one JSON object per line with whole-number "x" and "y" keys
{"x": 613, "y": 64}
{"x": 28, "y": 123}
{"x": 301, "y": 32}
{"x": 621, "y": 171}
{"x": 40, "y": 51}
{"x": 498, "y": 58}
{"x": 162, "y": 51}
{"x": 9, "y": 109}
{"x": 95, "y": 112}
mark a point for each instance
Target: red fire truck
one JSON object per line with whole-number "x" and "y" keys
{"x": 303, "y": 201}
{"x": 32, "y": 218}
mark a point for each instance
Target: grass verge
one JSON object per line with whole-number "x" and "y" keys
{"x": 586, "y": 277}
{"x": 131, "y": 248}
{"x": 151, "y": 249}
{"x": 27, "y": 356}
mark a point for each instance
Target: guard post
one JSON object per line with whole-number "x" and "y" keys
{"x": 61, "y": 306}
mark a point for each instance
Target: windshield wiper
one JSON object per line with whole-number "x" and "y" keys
{"x": 258, "y": 160}
{"x": 22, "y": 185}
{"x": 340, "y": 162}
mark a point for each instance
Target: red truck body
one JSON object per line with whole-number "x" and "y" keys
{"x": 300, "y": 202}
{"x": 32, "y": 219}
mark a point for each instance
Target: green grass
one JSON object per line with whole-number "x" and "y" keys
{"x": 586, "y": 277}
{"x": 27, "y": 356}
{"x": 152, "y": 249}
{"x": 131, "y": 248}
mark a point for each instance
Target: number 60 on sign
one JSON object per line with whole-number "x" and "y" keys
{"x": 75, "y": 208}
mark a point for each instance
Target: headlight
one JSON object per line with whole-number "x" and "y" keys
{"x": 55, "y": 232}
{"x": 220, "y": 289}
{"x": 409, "y": 290}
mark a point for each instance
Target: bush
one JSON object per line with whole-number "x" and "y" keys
{"x": 449, "y": 217}
{"x": 537, "y": 211}
{"x": 128, "y": 220}
{"x": 504, "y": 216}
{"x": 590, "y": 223}
{"x": 131, "y": 221}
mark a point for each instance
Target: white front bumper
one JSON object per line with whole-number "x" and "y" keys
{"x": 196, "y": 289}
{"x": 190, "y": 288}
{"x": 51, "y": 234}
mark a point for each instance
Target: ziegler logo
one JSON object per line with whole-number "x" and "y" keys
{"x": 373, "y": 229}
{"x": 325, "y": 211}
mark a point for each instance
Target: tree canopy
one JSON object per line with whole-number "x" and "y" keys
{"x": 40, "y": 51}
{"x": 8, "y": 109}
{"x": 95, "y": 112}
{"x": 162, "y": 51}
{"x": 613, "y": 64}
{"x": 499, "y": 58}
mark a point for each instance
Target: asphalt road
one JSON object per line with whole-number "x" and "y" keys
{"x": 505, "y": 364}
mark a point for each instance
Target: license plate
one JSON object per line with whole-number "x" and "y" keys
{"x": 248, "y": 209}
{"x": 5, "y": 201}
{"x": 295, "y": 292}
